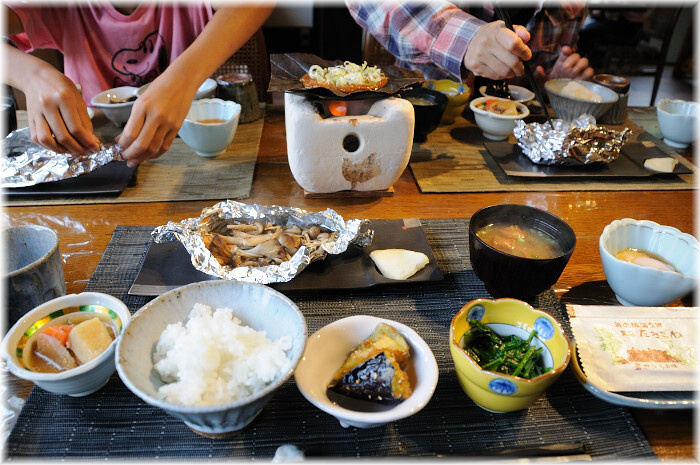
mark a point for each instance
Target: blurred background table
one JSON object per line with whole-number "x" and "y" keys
{"x": 85, "y": 230}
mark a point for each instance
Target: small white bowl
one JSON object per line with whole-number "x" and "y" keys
{"x": 518, "y": 93}
{"x": 678, "y": 121}
{"x": 327, "y": 349}
{"x": 642, "y": 285}
{"x": 210, "y": 139}
{"x": 84, "y": 379}
{"x": 257, "y": 306}
{"x": 569, "y": 108}
{"x": 493, "y": 125}
{"x": 206, "y": 90}
{"x": 118, "y": 113}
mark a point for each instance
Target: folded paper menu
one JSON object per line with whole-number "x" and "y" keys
{"x": 624, "y": 349}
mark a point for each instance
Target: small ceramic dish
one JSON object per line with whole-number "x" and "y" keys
{"x": 457, "y": 94}
{"x": 206, "y": 90}
{"x": 519, "y": 94}
{"x": 210, "y": 125}
{"x": 325, "y": 353}
{"x": 645, "y": 286}
{"x": 496, "y": 126}
{"x": 84, "y": 379}
{"x": 119, "y": 112}
{"x": 678, "y": 121}
{"x": 500, "y": 392}
{"x": 255, "y": 305}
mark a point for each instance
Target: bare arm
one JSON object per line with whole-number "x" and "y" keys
{"x": 158, "y": 114}
{"x": 57, "y": 114}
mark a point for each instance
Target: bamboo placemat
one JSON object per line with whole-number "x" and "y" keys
{"x": 454, "y": 159}
{"x": 178, "y": 175}
{"x": 115, "y": 424}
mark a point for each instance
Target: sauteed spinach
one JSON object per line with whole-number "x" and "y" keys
{"x": 504, "y": 354}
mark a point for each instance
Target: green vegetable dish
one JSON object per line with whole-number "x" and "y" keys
{"x": 503, "y": 354}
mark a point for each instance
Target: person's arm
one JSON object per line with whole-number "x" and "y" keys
{"x": 441, "y": 35}
{"x": 158, "y": 114}
{"x": 57, "y": 114}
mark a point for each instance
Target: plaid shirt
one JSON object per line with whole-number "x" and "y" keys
{"x": 433, "y": 36}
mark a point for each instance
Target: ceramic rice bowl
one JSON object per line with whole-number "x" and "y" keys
{"x": 257, "y": 306}
{"x": 84, "y": 379}
{"x": 210, "y": 139}
{"x": 500, "y": 392}
{"x": 570, "y": 108}
{"x": 639, "y": 285}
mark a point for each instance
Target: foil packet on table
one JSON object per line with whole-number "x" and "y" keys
{"x": 217, "y": 218}
{"x": 575, "y": 143}
{"x": 635, "y": 349}
{"x": 25, "y": 163}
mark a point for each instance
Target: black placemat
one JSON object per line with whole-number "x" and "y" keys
{"x": 168, "y": 265}
{"x": 113, "y": 423}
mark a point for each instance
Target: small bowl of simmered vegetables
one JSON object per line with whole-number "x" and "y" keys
{"x": 497, "y": 117}
{"x": 66, "y": 345}
{"x": 507, "y": 353}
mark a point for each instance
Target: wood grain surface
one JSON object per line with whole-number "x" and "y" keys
{"x": 85, "y": 230}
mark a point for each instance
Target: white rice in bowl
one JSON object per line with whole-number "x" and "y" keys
{"x": 213, "y": 359}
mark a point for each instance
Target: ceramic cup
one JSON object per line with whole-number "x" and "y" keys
{"x": 34, "y": 272}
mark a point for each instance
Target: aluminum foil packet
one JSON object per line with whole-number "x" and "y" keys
{"x": 576, "y": 143}
{"x": 25, "y": 163}
{"x": 216, "y": 218}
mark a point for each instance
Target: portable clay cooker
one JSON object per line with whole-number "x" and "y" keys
{"x": 347, "y": 144}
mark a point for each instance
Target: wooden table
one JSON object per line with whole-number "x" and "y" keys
{"x": 85, "y": 230}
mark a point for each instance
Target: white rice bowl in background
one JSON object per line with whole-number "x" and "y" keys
{"x": 214, "y": 359}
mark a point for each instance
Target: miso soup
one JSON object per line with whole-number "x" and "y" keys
{"x": 519, "y": 240}
{"x": 53, "y": 354}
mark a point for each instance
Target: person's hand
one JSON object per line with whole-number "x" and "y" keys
{"x": 496, "y": 52}
{"x": 155, "y": 119}
{"x": 569, "y": 64}
{"x": 57, "y": 114}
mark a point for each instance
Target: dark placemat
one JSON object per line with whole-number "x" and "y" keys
{"x": 113, "y": 423}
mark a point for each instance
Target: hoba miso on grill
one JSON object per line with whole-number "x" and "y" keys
{"x": 374, "y": 370}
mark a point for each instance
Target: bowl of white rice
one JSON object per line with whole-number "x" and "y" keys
{"x": 570, "y": 98}
{"x": 212, "y": 353}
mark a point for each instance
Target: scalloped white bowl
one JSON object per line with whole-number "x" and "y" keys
{"x": 118, "y": 113}
{"x": 327, "y": 349}
{"x": 678, "y": 121}
{"x": 207, "y": 139}
{"x": 569, "y": 108}
{"x": 641, "y": 285}
{"x": 493, "y": 125}
{"x": 84, "y": 379}
{"x": 257, "y": 306}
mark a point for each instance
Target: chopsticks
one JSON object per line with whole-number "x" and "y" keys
{"x": 505, "y": 17}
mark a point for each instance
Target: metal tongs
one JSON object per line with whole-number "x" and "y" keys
{"x": 505, "y": 17}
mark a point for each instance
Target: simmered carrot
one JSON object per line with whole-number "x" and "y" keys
{"x": 59, "y": 332}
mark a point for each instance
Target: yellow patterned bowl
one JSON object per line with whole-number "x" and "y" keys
{"x": 499, "y": 392}
{"x": 457, "y": 94}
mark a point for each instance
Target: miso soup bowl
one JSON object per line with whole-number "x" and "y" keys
{"x": 644, "y": 286}
{"x": 507, "y": 275}
{"x": 84, "y": 379}
{"x": 500, "y": 392}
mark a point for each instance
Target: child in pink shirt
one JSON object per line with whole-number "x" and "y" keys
{"x": 175, "y": 47}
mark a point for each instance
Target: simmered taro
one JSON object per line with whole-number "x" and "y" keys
{"x": 374, "y": 370}
{"x": 640, "y": 257}
{"x": 68, "y": 341}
